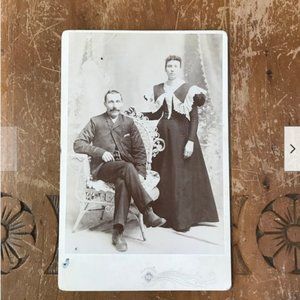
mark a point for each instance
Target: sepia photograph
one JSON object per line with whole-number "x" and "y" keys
{"x": 144, "y": 164}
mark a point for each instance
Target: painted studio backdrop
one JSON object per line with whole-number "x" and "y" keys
{"x": 132, "y": 63}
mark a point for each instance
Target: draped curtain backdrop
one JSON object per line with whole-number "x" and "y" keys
{"x": 131, "y": 63}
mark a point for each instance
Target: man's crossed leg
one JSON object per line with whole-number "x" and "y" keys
{"x": 127, "y": 185}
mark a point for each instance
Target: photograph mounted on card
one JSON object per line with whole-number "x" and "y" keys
{"x": 144, "y": 161}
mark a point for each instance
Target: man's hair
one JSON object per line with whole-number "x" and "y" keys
{"x": 173, "y": 57}
{"x": 111, "y": 92}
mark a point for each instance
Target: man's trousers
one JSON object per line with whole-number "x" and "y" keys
{"x": 127, "y": 185}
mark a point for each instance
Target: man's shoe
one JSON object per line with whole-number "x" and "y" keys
{"x": 118, "y": 241}
{"x": 183, "y": 229}
{"x": 151, "y": 219}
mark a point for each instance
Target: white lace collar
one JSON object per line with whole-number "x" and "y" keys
{"x": 182, "y": 107}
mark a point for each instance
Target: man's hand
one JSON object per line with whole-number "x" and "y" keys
{"x": 107, "y": 156}
{"x": 188, "y": 149}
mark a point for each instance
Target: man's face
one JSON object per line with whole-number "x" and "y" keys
{"x": 113, "y": 105}
{"x": 173, "y": 69}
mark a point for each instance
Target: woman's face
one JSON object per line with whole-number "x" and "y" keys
{"x": 172, "y": 69}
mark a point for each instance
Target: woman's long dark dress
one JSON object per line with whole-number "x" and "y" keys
{"x": 186, "y": 196}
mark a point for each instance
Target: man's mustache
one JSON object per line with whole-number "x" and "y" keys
{"x": 114, "y": 110}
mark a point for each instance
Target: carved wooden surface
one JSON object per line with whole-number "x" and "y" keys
{"x": 264, "y": 97}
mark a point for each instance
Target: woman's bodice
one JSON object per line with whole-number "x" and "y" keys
{"x": 169, "y": 97}
{"x": 179, "y": 97}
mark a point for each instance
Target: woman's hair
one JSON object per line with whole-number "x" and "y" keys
{"x": 172, "y": 57}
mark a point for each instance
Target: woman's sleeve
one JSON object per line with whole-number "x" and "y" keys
{"x": 199, "y": 100}
{"x": 193, "y": 123}
{"x": 153, "y": 115}
{"x": 149, "y": 97}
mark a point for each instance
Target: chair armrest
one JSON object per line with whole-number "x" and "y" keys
{"x": 79, "y": 156}
{"x": 84, "y": 161}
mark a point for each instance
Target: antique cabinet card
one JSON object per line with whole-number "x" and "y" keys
{"x": 144, "y": 161}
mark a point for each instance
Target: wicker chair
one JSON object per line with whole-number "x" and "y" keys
{"x": 101, "y": 194}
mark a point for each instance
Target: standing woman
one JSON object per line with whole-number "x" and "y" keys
{"x": 186, "y": 196}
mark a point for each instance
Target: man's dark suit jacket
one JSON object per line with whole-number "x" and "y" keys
{"x": 101, "y": 134}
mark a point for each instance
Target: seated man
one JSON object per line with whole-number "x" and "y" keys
{"x": 118, "y": 156}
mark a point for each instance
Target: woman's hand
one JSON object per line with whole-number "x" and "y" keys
{"x": 188, "y": 149}
{"x": 131, "y": 111}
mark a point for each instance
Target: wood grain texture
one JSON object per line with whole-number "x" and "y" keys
{"x": 264, "y": 97}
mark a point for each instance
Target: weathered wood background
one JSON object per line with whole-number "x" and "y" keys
{"x": 264, "y": 51}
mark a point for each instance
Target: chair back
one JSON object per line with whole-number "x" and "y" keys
{"x": 152, "y": 142}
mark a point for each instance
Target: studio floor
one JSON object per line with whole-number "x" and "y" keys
{"x": 207, "y": 238}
